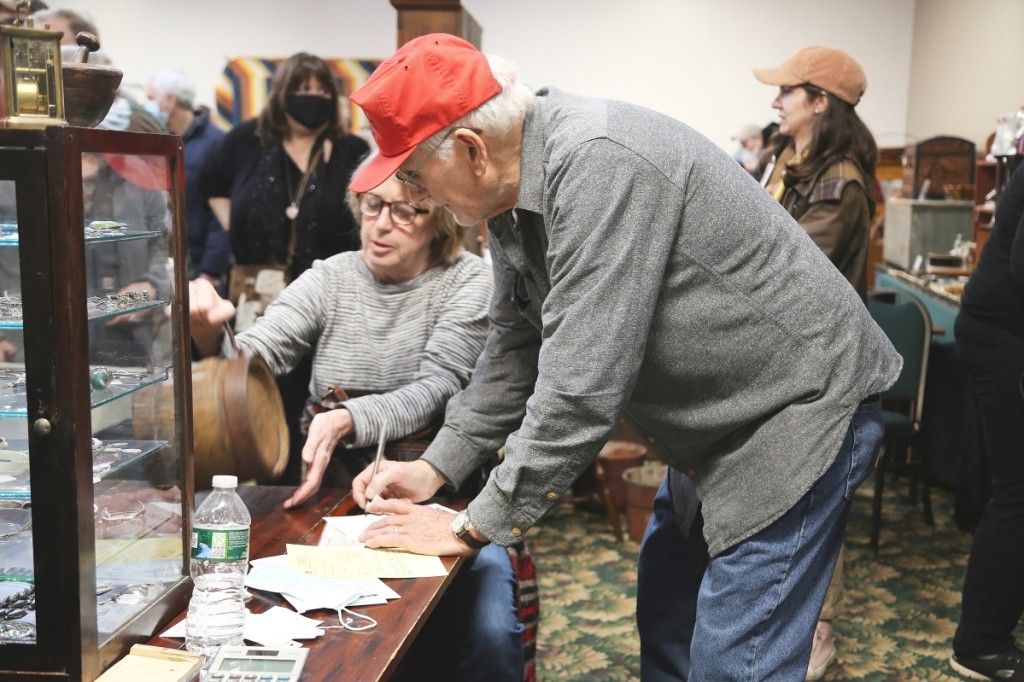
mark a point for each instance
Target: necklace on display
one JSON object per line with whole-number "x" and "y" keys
{"x": 292, "y": 211}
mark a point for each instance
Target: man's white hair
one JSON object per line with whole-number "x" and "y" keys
{"x": 168, "y": 80}
{"x": 502, "y": 113}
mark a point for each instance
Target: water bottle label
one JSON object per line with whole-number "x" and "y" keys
{"x": 220, "y": 545}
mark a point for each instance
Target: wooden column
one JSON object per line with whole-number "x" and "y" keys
{"x": 420, "y": 17}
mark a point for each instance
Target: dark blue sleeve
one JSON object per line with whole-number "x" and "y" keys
{"x": 217, "y": 250}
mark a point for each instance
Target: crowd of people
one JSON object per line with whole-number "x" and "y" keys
{"x": 741, "y": 349}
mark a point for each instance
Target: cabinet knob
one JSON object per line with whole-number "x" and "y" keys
{"x": 42, "y": 427}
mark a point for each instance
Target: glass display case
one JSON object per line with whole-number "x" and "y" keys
{"x": 95, "y": 428}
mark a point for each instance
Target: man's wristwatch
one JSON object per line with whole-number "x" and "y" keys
{"x": 460, "y": 526}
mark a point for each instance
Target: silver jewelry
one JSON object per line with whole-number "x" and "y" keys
{"x": 13, "y": 522}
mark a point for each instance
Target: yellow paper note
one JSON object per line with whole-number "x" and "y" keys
{"x": 127, "y": 550}
{"x": 360, "y": 562}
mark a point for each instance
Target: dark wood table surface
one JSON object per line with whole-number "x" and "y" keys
{"x": 338, "y": 654}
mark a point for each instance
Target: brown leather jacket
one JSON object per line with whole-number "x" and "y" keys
{"x": 835, "y": 210}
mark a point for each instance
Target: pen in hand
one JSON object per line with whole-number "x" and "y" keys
{"x": 379, "y": 456}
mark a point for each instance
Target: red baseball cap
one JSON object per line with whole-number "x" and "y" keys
{"x": 428, "y": 84}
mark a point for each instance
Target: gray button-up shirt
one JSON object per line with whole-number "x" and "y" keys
{"x": 644, "y": 273}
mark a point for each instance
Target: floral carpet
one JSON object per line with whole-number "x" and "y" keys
{"x": 901, "y": 607}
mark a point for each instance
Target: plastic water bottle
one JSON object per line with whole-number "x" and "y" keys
{"x": 219, "y": 562}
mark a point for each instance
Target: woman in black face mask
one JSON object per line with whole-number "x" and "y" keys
{"x": 277, "y": 184}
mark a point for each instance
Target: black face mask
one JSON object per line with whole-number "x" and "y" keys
{"x": 312, "y": 111}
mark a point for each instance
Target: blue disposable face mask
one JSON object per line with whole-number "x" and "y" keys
{"x": 153, "y": 108}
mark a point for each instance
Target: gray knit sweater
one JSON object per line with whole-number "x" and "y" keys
{"x": 415, "y": 343}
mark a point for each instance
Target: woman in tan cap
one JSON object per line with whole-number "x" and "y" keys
{"x": 822, "y": 168}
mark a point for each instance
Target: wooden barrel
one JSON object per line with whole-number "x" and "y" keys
{"x": 237, "y": 419}
{"x": 615, "y": 458}
{"x": 641, "y": 486}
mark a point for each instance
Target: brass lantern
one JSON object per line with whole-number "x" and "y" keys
{"x": 31, "y": 72}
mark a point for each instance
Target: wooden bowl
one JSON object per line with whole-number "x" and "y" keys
{"x": 89, "y": 92}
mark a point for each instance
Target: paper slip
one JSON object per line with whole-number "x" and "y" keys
{"x": 276, "y": 627}
{"x": 358, "y": 562}
{"x": 344, "y": 531}
{"x": 305, "y": 592}
{"x": 374, "y": 591}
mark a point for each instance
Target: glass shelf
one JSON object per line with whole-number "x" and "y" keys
{"x": 8, "y": 238}
{"x": 95, "y": 315}
{"x": 106, "y": 463}
{"x": 12, "y": 400}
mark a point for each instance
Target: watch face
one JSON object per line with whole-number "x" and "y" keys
{"x": 459, "y": 523}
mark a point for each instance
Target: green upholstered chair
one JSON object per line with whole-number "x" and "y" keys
{"x": 906, "y": 322}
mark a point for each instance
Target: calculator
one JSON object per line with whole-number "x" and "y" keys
{"x": 257, "y": 664}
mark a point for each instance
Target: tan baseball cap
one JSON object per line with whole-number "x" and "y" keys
{"x": 830, "y": 69}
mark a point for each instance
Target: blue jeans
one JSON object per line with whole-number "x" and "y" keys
{"x": 474, "y": 633}
{"x": 749, "y": 613}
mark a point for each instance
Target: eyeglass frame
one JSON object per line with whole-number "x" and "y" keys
{"x": 408, "y": 178}
{"x": 389, "y": 204}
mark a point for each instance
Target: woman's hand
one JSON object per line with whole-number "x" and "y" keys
{"x": 416, "y": 481}
{"x": 207, "y": 314}
{"x": 325, "y": 431}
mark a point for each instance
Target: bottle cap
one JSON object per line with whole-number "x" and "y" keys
{"x": 225, "y": 481}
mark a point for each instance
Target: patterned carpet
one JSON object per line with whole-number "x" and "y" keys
{"x": 901, "y": 606}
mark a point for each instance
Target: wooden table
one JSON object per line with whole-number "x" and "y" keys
{"x": 338, "y": 654}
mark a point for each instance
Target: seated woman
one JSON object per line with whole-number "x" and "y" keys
{"x": 395, "y": 330}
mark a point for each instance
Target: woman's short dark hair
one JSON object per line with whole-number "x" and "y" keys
{"x": 272, "y": 125}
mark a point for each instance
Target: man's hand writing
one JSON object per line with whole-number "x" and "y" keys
{"x": 415, "y": 481}
{"x": 415, "y": 528}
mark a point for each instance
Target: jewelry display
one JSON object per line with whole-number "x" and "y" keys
{"x": 113, "y": 302}
{"x": 13, "y": 466}
{"x": 10, "y": 307}
{"x": 134, "y": 594}
{"x": 119, "y": 518}
{"x": 98, "y": 228}
{"x": 12, "y": 609}
{"x": 14, "y": 380}
{"x": 13, "y": 522}
{"x": 100, "y": 378}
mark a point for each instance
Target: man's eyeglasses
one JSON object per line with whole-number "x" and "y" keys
{"x": 402, "y": 212}
{"x": 411, "y": 179}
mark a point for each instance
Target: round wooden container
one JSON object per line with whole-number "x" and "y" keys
{"x": 615, "y": 458}
{"x": 237, "y": 419}
{"x": 641, "y": 486}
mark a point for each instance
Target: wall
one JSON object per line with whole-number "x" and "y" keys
{"x": 967, "y": 67}
{"x": 690, "y": 59}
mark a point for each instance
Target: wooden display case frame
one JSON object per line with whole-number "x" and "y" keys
{"x": 46, "y": 166}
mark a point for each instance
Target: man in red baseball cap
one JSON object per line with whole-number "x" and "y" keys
{"x": 639, "y": 273}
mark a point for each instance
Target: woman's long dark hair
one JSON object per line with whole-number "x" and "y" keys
{"x": 837, "y": 133}
{"x": 271, "y": 125}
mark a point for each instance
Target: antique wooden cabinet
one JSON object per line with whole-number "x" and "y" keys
{"x": 93, "y": 520}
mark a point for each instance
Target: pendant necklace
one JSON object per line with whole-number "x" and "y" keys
{"x": 292, "y": 211}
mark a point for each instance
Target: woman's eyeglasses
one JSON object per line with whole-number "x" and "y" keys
{"x": 402, "y": 212}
